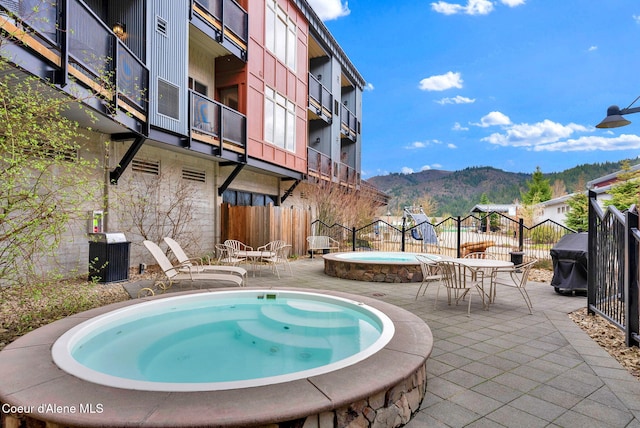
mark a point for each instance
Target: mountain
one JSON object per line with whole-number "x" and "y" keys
{"x": 456, "y": 192}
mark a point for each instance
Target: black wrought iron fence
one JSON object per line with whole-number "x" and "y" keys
{"x": 612, "y": 290}
{"x": 492, "y": 232}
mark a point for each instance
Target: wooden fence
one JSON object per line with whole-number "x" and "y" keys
{"x": 255, "y": 226}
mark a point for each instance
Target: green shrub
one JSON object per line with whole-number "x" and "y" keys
{"x": 544, "y": 235}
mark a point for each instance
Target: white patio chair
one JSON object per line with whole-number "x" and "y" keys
{"x": 479, "y": 255}
{"x": 173, "y": 274}
{"x": 430, "y": 272}
{"x": 226, "y": 256}
{"x": 280, "y": 257}
{"x": 459, "y": 280}
{"x": 187, "y": 263}
{"x": 515, "y": 277}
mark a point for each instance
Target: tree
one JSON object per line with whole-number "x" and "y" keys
{"x": 539, "y": 189}
{"x": 625, "y": 192}
{"x": 151, "y": 207}
{"x": 334, "y": 203}
{"x": 578, "y": 216}
{"x": 45, "y": 168}
{"x": 558, "y": 189}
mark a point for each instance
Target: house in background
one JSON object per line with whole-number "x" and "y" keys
{"x": 556, "y": 209}
{"x": 245, "y": 102}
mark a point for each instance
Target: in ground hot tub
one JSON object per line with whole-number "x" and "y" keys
{"x": 384, "y": 386}
{"x": 376, "y": 266}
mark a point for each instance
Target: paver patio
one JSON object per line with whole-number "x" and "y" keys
{"x": 501, "y": 367}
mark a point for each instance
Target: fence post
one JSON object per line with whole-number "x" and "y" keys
{"x": 630, "y": 280}
{"x": 353, "y": 239}
{"x": 459, "y": 236}
{"x": 521, "y": 235}
{"x": 404, "y": 230}
{"x": 591, "y": 253}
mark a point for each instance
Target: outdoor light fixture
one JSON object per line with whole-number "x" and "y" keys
{"x": 614, "y": 117}
{"x": 120, "y": 30}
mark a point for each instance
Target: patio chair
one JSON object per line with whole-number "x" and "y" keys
{"x": 187, "y": 263}
{"x": 430, "y": 272}
{"x": 479, "y": 255}
{"x": 280, "y": 257}
{"x": 515, "y": 277}
{"x": 237, "y": 246}
{"x": 173, "y": 273}
{"x": 226, "y": 256}
{"x": 459, "y": 280}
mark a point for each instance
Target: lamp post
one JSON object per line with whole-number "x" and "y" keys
{"x": 614, "y": 117}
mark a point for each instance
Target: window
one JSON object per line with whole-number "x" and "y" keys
{"x": 169, "y": 99}
{"x": 238, "y": 198}
{"x": 280, "y": 35}
{"x": 279, "y": 120}
{"x": 198, "y": 87}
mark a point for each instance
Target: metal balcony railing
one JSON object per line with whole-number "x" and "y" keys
{"x": 228, "y": 18}
{"x": 224, "y": 126}
{"x": 320, "y": 98}
{"x": 318, "y": 164}
{"x": 348, "y": 123}
{"x": 81, "y": 47}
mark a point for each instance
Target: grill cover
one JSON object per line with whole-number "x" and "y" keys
{"x": 570, "y": 262}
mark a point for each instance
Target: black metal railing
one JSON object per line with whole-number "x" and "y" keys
{"x": 233, "y": 19}
{"x": 501, "y": 235}
{"x": 612, "y": 290}
{"x": 348, "y": 123}
{"x": 320, "y": 97}
{"x": 217, "y": 120}
{"x": 83, "y": 48}
{"x": 318, "y": 164}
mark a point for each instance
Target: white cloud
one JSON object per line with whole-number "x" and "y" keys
{"x": 533, "y": 136}
{"x": 458, "y": 127}
{"x": 406, "y": 170}
{"x": 330, "y": 9}
{"x": 493, "y": 119}
{"x": 591, "y": 143}
{"x": 416, "y": 145}
{"x": 425, "y": 168}
{"x": 441, "y": 82}
{"x": 512, "y": 3}
{"x": 456, "y": 100}
{"x": 451, "y": 146}
{"x": 636, "y": 18}
{"x": 473, "y": 7}
{"x": 592, "y": 48}
{"x": 369, "y": 87}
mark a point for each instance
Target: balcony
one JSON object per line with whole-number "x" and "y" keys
{"x": 218, "y": 126}
{"x": 348, "y": 124}
{"x": 320, "y": 100}
{"x": 318, "y": 164}
{"x": 224, "y": 21}
{"x": 348, "y": 176}
{"x": 84, "y": 54}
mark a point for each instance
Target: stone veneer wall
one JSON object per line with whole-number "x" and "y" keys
{"x": 386, "y": 409}
{"x": 373, "y": 272}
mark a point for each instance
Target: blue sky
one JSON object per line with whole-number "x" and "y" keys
{"x": 512, "y": 84}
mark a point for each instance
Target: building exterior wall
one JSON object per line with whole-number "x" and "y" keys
{"x": 265, "y": 70}
{"x": 173, "y": 56}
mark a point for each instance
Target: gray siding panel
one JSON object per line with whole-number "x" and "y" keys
{"x": 169, "y": 60}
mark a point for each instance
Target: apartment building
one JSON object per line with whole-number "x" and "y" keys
{"x": 244, "y": 102}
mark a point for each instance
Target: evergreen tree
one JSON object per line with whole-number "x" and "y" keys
{"x": 539, "y": 189}
{"x": 625, "y": 192}
{"x": 578, "y": 216}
